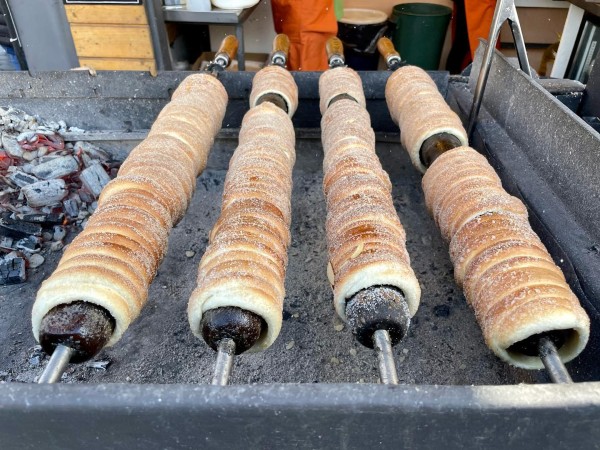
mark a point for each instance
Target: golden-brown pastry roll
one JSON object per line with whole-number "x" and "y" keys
{"x": 340, "y": 81}
{"x": 365, "y": 239}
{"x": 506, "y": 272}
{"x": 112, "y": 262}
{"x": 275, "y": 80}
{"x": 244, "y": 264}
{"x": 420, "y": 111}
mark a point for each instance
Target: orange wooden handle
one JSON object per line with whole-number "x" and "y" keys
{"x": 334, "y": 47}
{"x": 281, "y": 44}
{"x": 229, "y": 46}
{"x": 386, "y": 48}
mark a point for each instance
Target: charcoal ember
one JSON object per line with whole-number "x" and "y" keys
{"x": 59, "y": 233}
{"x": 30, "y": 155}
{"x": 29, "y": 244}
{"x": 94, "y": 178}
{"x": 56, "y": 168}
{"x": 12, "y": 271}
{"x": 18, "y": 230}
{"x": 43, "y": 219}
{"x": 28, "y": 167}
{"x": 85, "y": 196}
{"x": 71, "y": 207}
{"x": 45, "y": 193}
{"x": 86, "y": 160}
{"x": 11, "y": 146}
{"x": 5, "y": 161}
{"x": 6, "y": 243}
{"x": 92, "y": 151}
{"x": 27, "y": 137}
{"x": 21, "y": 178}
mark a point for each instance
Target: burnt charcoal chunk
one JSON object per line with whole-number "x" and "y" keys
{"x": 30, "y": 243}
{"x": 17, "y": 229}
{"x": 44, "y": 219}
{"x": 12, "y": 271}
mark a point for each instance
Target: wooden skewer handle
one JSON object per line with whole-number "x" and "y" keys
{"x": 334, "y": 47}
{"x": 386, "y": 48}
{"x": 229, "y": 46}
{"x": 281, "y": 44}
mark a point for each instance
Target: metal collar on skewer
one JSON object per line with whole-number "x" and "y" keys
{"x": 279, "y": 59}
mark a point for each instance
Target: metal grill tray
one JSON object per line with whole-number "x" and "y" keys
{"x": 154, "y": 393}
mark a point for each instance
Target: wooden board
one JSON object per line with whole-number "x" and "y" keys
{"x": 118, "y": 64}
{"x": 112, "y": 37}
{"x": 107, "y": 14}
{"x": 111, "y": 41}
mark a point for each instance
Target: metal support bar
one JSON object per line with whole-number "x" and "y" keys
{"x": 505, "y": 11}
{"x": 158, "y": 33}
{"x": 57, "y": 365}
{"x": 241, "y": 57}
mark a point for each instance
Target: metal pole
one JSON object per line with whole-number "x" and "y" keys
{"x": 387, "y": 365}
{"x": 224, "y": 363}
{"x": 57, "y": 365}
{"x": 557, "y": 371}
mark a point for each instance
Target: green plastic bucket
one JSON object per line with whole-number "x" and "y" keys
{"x": 420, "y": 32}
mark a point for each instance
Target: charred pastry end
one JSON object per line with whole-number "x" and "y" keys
{"x": 242, "y": 326}
{"x": 84, "y": 327}
{"x": 378, "y": 308}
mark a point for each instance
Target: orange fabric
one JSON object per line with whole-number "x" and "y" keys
{"x": 479, "y": 20}
{"x": 308, "y": 24}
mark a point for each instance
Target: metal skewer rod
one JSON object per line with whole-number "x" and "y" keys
{"x": 385, "y": 357}
{"x": 224, "y": 363}
{"x": 557, "y": 371}
{"x": 389, "y": 53}
{"x": 56, "y": 366}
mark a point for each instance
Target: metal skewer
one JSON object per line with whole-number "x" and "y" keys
{"x": 434, "y": 146}
{"x": 57, "y": 364}
{"x": 335, "y": 52}
{"x": 390, "y": 55}
{"x": 224, "y": 55}
{"x": 281, "y": 48}
{"x": 557, "y": 371}
{"x": 379, "y": 320}
{"x": 224, "y": 363}
{"x": 230, "y": 330}
{"x": 385, "y": 357}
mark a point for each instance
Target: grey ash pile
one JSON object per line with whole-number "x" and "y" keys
{"x": 47, "y": 185}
